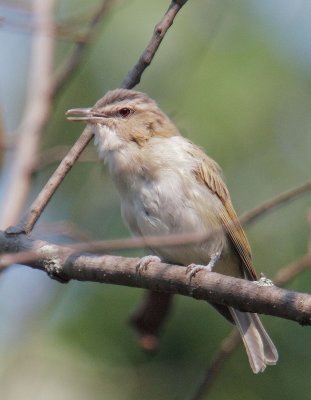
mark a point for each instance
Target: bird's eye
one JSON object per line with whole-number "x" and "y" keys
{"x": 124, "y": 112}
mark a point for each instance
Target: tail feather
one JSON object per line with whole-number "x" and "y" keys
{"x": 259, "y": 347}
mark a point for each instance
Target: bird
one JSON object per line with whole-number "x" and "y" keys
{"x": 169, "y": 185}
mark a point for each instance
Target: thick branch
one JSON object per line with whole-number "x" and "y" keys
{"x": 64, "y": 264}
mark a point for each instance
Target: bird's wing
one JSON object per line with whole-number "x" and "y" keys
{"x": 208, "y": 172}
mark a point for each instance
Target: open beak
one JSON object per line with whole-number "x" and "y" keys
{"x": 84, "y": 115}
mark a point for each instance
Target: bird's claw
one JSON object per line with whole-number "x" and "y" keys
{"x": 193, "y": 269}
{"x": 264, "y": 281}
{"x": 144, "y": 262}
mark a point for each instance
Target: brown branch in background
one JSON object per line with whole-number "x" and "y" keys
{"x": 71, "y": 64}
{"x": 67, "y": 229}
{"x": 49, "y": 189}
{"x": 134, "y": 75}
{"x": 282, "y": 198}
{"x": 182, "y": 239}
{"x": 36, "y": 111}
{"x": 149, "y": 317}
{"x": 228, "y": 345}
{"x": 288, "y": 273}
{"x": 57, "y": 153}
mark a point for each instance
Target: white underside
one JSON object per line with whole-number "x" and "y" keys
{"x": 172, "y": 203}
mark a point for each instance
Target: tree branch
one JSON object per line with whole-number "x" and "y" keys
{"x": 62, "y": 263}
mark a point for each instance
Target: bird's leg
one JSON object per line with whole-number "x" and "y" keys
{"x": 143, "y": 263}
{"x": 193, "y": 269}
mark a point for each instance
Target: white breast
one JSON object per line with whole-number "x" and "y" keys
{"x": 174, "y": 203}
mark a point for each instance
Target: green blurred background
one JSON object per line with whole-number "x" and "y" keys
{"x": 236, "y": 79}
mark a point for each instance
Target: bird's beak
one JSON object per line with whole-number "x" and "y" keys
{"x": 79, "y": 114}
{"x": 84, "y": 115}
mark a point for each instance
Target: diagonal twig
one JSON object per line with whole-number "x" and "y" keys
{"x": 133, "y": 77}
{"x": 276, "y": 201}
{"x": 52, "y": 184}
{"x": 39, "y": 204}
{"x": 72, "y": 62}
{"x": 42, "y": 90}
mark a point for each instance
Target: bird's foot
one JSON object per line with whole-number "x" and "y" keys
{"x": 193, "y": 269}
{"x": 144, "y": 262}
{"x": 264, "y": 281}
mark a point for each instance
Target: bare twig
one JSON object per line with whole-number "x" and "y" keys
{"x": 55, "y": 180}
{"x": 276, "y": 201}
{"x": 67, "y": 229}
{"x": 74, "y": 60}
{"x": 49, "y": 189}
{"x": 133, "y": 77}
{"x": 288, "y": 273}
{"x": 226, "y": 348}
{"x": 57, "y": 153}
{"x": 182, "y": 239}
{"x": 37, "y": 107}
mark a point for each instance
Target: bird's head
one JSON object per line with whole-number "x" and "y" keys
{"x": 125, "y": 116}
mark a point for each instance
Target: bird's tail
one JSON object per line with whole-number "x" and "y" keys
{"x": 259, "y": 347}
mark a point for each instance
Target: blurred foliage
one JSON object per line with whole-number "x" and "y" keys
{"x": 229, "y": 88}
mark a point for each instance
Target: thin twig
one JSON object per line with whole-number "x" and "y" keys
{"x": 133, "y": 77}
{"x": 276, "y": 201}
{"x": 71, "y": 64}
{"x": 66, "y": 229}
{"x": 56, "y": 154}
{"x": 55, "y": 180}
{"x": 288, "y": 273}
{"x": 49, "y": 189}
{"x": 226, "y": 348}
{"x": 182, "y": 239}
